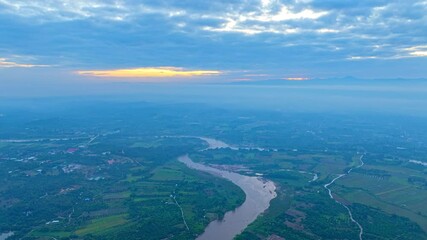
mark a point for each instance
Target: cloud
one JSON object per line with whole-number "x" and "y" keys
{"x": 296, "y": 78}
{"x": 327, "y": 30}
{"x": 417, "y": 51}
{"x": 64, "y": 10}
{"x": 4, "y": 63}
{"x": 149, "y": 72}
{"x": 361, "y": 57}
{"x": 408, "y": 52}
{"x": 267, "y": 17}
{"x": 74, "y": 10}
{"x": 282, "y": 37}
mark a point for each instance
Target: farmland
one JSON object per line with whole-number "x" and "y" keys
{"x": 88, "y": 179}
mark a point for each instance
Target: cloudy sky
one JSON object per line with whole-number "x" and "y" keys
{"x": 221, "y": 40}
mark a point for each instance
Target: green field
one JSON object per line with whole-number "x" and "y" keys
{"x": 103, "y": 225}
{"x": 126, "y": 183}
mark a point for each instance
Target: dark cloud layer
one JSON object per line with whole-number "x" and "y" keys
{"x": 316, "y": 38}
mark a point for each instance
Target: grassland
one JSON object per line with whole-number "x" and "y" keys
{"x": 392, "y": 193}
{"x": 122, "y": 184}
{"x": 103, "y": 194}
{"x": 303, "y": 210}
{"x": 103, "y": 225}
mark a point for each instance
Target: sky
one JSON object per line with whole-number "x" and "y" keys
{"x": 63, "y": 41}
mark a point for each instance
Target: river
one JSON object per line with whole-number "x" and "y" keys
{"x": 419, "y": 162}
{"x": 326, "y": 186}
{"x": 6, "y": 235}
{"x": 217, "y": 144}
{"x": 259, "y": 192}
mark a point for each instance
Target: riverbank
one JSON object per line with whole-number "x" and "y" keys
{"x": 259, "y": 193}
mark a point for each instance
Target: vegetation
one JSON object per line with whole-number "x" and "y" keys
{"x": 114, "y": 175}
{"x": 107, "y": 190}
